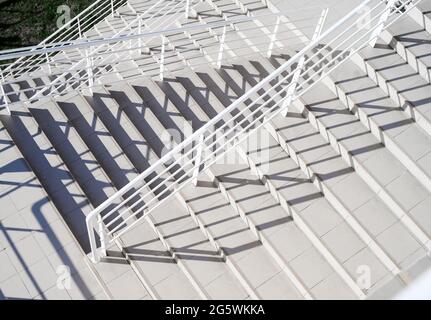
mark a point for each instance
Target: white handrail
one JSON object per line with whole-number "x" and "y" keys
{"x": 180, "y": 166}
{"x": 128, "y": 28}
{"x": 119, "y": 45}
{"x": 91, "y": 11}
{"x": 32, "y": 59}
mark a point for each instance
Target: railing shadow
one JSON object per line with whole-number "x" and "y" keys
{"x": 61, "y": 199}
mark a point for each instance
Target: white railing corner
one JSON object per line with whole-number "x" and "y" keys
{"x": 95, "y": 226}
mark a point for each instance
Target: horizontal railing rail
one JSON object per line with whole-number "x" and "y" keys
{"x": 67, "y": 67}
{"x": 183, "y": 163}
{"x": 74, "y": 28}
{"x": 31, "y": 61}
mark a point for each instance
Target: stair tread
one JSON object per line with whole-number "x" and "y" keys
{"x": 413, "y": 38}
{"x": 336, "y": 161}
{"x": 394, "y": 122}
{"x": 401, "y": 76}
{"x": 254, "y": 198}
{"x": 192, "y": 240}
{"x": 172, "y": 213}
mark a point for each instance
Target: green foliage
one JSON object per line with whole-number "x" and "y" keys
{"x": 28, "y": 22}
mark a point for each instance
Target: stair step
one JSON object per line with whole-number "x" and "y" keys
{"x": 31, "y": 207}
{"x": 46, "y": 155}
{"x": 119, "y": 278}
{"x": 412, "y": 43}
{"x": 238, "y": 243}
{"x": 393, "y": 128}
{"x": 398, "y": 80}
{"x": 93, "y": 192}
{"x": 170, "y": 219}
{"x": 262, "y": 205}
{"x": 310, "y": 145}
{"x": 421, "y": 13}
{"x": 254, "y": 201}
{"x": 160, "y": 116}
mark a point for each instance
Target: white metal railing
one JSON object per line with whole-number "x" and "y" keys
{"x": 182, "y": 165}
{"x": 74, "y": 71}
{"x": 156, "y": 13}
{"x": 73, "y": 29}
{"x": 51, "y": 54}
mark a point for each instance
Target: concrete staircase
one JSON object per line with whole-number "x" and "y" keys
{"x": 330, "y": 202}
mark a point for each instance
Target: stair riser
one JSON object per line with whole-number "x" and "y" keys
{"x": 185, "y": 269}
{"x": 93, "y": 270}
{"x": 165, "y": 243}
{"x": 407, "y": 55}
{"x": 230, "y": 262}
{"x": 332, "y": 198}
{"x": 266, "y": 242}
{"x": 423, "y": 20}
{"x": 418, "y": 233}
{"x": 136, "y": 268}
{"x": 415, "y": 170}
{"x": 371, "y": 182}
{"x": 252, "y": 228}
{"x": 296, "y": 217}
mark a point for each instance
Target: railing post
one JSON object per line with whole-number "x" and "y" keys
{"x": 94, "y": 256}
{"x": 95, "y": 224}
{"x": 295, "y": 78}
{"x": 220, "y": 52}
{"x": 89, "y": 61}
{"x": 187, "y": 8}
{"x": 382, "y": 21}
{"x": 162, "y": 58}
{"x": 102, "y": 235}
{"x": 79, "y": 27}
{"x": 198, "y": 159}
{"x": 47, "y": 61}
{"x": 3, "y": 93}
{"x": 140, "y": 39}
{"x": 112, "y": 7}
{"x": 273, "y": 37}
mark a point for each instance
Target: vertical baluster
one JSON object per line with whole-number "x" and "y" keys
{"x": 198, "y": 160}
{"x": 291, "y": 90}
{"x": 382, "y": 21}
{"x": 140, "y": 39}
{"x": 187, "y": 8}
{"x": 112, "y": 7}
{"x": 6, "y": 103}
{"x": 220, "y": 52}
{"x": 79, "y": 27}
{"x": 94, "y": 256}
{"x": 162, "y": 58}
{"x": 273, "y": 37}
{"x": 48, "y": 62}
{"x": 102, "y": 235}
{"x": 89, "y": 69}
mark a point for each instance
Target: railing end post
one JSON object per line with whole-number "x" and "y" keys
{"x": 90, "y": 221}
